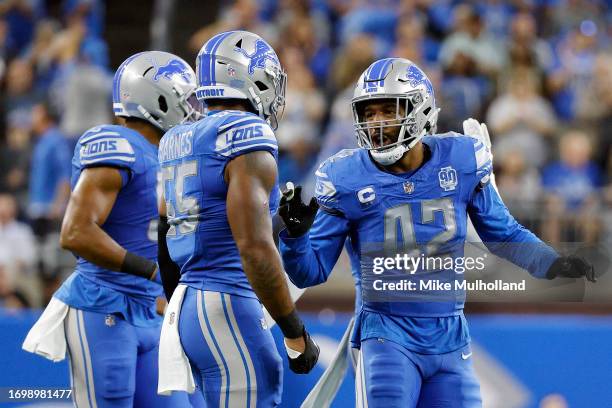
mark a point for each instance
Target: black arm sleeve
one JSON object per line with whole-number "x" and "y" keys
{"x": 170, "y": 272}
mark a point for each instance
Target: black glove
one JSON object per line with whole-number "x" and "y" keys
{"x": 169, "y": 271}
{"x": 571, "y": 266}
{"x": 297, "y": 216}
{"x": 307, "y": 360}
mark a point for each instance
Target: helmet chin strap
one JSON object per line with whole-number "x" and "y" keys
{"x": 150, "y": 118}
{"x": 390, "y": 156}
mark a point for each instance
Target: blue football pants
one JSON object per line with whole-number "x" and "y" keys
{"x": 113, "y": 363}
{"x": 232, "y": 352}
{"x": 389, "y": 375}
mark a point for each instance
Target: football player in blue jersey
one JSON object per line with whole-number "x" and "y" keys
{"x": 112, "y": 328}
{"x": 405, "y": 189}
{"x": 221, "y": 187}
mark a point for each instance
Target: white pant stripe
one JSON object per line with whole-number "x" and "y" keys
{"x": 213, "y": 349}
{"x": 245, "y": 350}
{"x": 88, "y": 366}
{"x": 363, "y": 384}
{"x": 70, "y": 368}
{"x": 358, "y": 398}
{"x": 360, "y": 386}
{"x": 77, "y": 364}
{"x": 221, "y": 331}
{"x": 78, "y": 361}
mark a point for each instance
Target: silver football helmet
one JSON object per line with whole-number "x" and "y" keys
{"x": 156, "y": 86}
{"x": 416, "y": 114}
{"x": 241, "y": 65}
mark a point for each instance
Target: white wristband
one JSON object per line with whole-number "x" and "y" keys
{"x": 291, "y": 352}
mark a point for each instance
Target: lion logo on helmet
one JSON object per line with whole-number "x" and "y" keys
{"x": 258, "y": 58}
{"x": 416, "y": 77}
{"x": 173, "y": 67}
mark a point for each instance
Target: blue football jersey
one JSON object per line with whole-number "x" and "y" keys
{"x": 389, "y": 213}
{"x": 375, "y": 213}
{"x": 193, "y": 158}
{"x": 132, "y": 223}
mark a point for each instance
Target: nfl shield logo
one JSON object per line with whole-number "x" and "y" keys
{"x": 408, "y": 187}
{"x": 448, "y": 178}
{"x": 171, "y": 319}
{"x": 231, "y": 71}
{"x": 109, "y": 320}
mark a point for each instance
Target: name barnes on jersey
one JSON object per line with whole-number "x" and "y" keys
{"x": 176, "y": 145}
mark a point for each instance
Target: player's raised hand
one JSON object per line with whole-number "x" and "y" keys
{"x": 571, "y": 266}
{"x": 297, "y": 216}
{"x": 475, "y": 129}
{"x": 302, "y": 362}
{"x": 479, "y": 131}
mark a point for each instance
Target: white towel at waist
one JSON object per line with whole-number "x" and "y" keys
{"x": 47, "y": 338}
{"x": 174, "y": 368}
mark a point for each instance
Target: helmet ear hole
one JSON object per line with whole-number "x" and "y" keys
{"x": 239, "y": 43}
{"x": 261, "y": 86}
{"x": 163, "y": 105}
{"x": 426, "y": 111}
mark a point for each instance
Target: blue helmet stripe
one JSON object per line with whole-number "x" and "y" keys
{"x": 367, "y": 74}
{"x": 205, "y": 76}
{"x": 371, "y": 74}
{"x": 368, "y": 78}
{"x": 222, "y": 37}
{"x": 211, "y": 46}
{"x": 376, "y": 70}
{"x": 211, "y": 43}
{"x": 118, "y": 75}
{"x": 375, "y": 74}
{"x": 381, "y": 67}
{"x": 385, "y": 70}
{"x": 207, "y": 59}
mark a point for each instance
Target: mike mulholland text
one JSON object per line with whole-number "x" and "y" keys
{"x": 438, "y": 285}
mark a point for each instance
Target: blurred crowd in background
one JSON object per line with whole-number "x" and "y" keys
{"x": 538, "y": 72}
